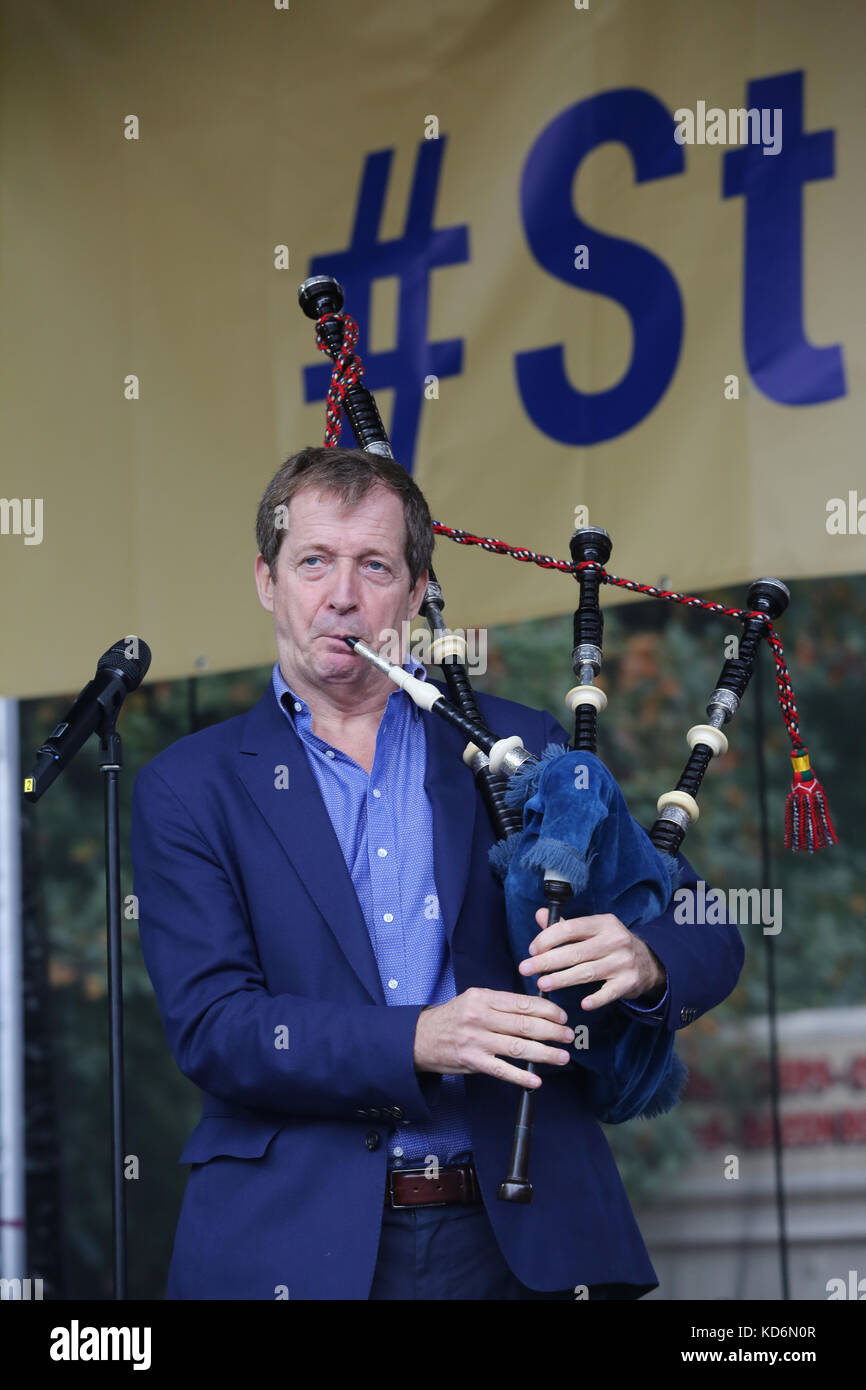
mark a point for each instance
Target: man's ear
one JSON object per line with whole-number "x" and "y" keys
{"x": 416, "y": 597}
{"x": 264, "y": 584}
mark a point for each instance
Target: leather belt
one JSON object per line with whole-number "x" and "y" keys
{"x": 417, "y": 1187}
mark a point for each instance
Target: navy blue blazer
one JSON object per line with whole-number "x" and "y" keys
{"x": 269, "y": 993}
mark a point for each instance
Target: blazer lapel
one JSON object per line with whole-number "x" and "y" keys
{"x": 299, "y": 818}
{"x": 454, "y": 799}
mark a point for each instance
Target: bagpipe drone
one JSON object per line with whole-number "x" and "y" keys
{"x": 564, "y": 834}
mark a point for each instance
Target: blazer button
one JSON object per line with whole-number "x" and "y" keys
{"x": 373, "y": 1140}
{"x": 374, "y": 1114}
{"x": 396, "y": 1112}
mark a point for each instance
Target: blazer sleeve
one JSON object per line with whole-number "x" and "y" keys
{"x": 227, "y": 1033}
{"x": 702, "y": 961}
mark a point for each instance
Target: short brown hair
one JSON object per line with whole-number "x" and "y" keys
{"x": 349, "y": 474}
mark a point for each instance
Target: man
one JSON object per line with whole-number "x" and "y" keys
{"x": 328, "y": 949}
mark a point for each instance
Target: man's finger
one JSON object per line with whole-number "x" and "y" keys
{"x": 524, "y": 1049}
{"x": 530, "y": 1026}
{"x": 572, "y": 966}
{"x": 567, "y": 929}
{"x": 610, "y": 990}
{"x": 504, "y": 1071}
{"x": 526, "y": 1004}
{"x": 561, "y": 958}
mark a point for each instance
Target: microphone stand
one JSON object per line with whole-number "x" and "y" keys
{"x": 119, "y": 670}
{"x": 110, "y": 763}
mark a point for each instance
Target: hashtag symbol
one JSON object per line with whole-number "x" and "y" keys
{"x": 409, "y": 258}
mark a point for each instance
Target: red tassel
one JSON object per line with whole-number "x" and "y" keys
{"x": 807, "y": 816}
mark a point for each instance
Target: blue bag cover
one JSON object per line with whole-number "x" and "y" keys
{"x": 575, "y": 820}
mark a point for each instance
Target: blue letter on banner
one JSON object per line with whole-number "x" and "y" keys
{"x": 620, "y": 269}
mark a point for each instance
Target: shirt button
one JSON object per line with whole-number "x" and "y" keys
{"x": 388, "y": 917}
{"x": 381, "y": 852}
{"x": 398, "y": 1153}
{"x": 298, "y": 706}
{"x": 329, "y": 753}
{"x": 392, "y": 984}
{"x": 372, "y": 1139}
{"x": 376, "y": 791}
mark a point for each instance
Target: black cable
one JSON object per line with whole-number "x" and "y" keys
{"x": 772, "y": 1001}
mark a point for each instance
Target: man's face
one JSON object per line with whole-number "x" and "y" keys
{"x": 338, "y": 571}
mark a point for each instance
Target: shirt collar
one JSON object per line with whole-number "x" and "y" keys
{"x": 288, "y": 699}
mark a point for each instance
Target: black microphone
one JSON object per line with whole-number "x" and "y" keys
{"x": 121, "y": 669}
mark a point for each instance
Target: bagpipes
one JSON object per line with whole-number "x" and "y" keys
{"x": 563, "y": 830}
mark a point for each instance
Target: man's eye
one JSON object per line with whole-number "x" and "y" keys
{"x": 379, "y": 563}
{"x": 309, "y": 558}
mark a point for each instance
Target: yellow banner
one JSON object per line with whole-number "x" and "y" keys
{"x": 606, "y": 260}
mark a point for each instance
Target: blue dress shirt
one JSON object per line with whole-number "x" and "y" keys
{"x": 384, "y": 825}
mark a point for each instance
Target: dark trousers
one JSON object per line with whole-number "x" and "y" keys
{"x": 432, "y": 1253}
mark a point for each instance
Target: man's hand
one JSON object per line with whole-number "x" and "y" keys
{"x": 578, "y": 950}
{"x": 474, "y": 1031}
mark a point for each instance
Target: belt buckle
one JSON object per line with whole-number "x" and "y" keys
{"x": 408, "y": 1206}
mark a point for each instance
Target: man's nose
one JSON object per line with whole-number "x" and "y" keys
{"x": 345, "y": 584}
